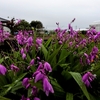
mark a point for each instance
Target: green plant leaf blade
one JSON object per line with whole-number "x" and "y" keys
{"x": 77, "y": 77}
{"x": 69, "y": 96}
{"x": 3, "y": 98}
{"x": 44, "y": 50}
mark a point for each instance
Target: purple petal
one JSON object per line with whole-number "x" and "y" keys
{"x": 36, "y": 98}
{"x": 47, "y": 67}
{"x": 47, "y": 86}
{"x": 14, "y": 68}
{"x": 39, "y": 76}
{"x": 23, "y": 55}
{"x": 3, "y": 70}
{"x": 25, "y": 82}
{"x": 32, "y": 62}
{"x": 34, "y": 90}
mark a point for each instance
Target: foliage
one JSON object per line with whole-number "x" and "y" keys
{"x": 17, "y": 25}
{"x": 36, "y": 24}
{"x": 23, "y": 25}
{"x": 64, "y": 67}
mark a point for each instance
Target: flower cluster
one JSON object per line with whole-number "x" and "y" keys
{"x": 88, "y": 78}
{"x": 93, "y": 35}
{"x": 92, "y": 56}
{"x": 35, "y": 75}
{"x": 26, "y": 41}
{"x": 39, "y": 75}
{"x": 3, "y": 34}
{"x": 23, "y": 38}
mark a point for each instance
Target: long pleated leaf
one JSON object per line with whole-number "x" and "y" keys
{"x": 69, "y": 96}
{"x": 77, "y": 77}
{"x": 44, "y": 50}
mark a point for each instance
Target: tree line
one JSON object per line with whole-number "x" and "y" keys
{"x": 23, "y": 25}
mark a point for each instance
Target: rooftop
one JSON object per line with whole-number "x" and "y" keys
{"x": 95, "y": 22}
{"x": 3, "y": 20}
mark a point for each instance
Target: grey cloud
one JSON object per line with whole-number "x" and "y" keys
{"x": 51, "y": 11}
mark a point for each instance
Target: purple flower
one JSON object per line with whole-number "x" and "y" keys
{"x": 60, "y": 42}
{"x": 58, "y": 29}
{"x": 47, "y": 86}
{"x": 23, "y": 98}
{"x": 3, "y": 69}
{"x": 73, "y": 20}
{"x": 88, "y": 78}
{"x": 87, "y": 58}
{"x": 14, "y": 68}
{"x": 34, "y": 91}
{"x": 57, "y": 23}
{"x": 83, "y": 42}
{"x": 40, "y": 66}
{"x": 70, "y": 44}
{"x": 97, "y": 36}
{"x": 28, "y": 67}
{"x": 39, "y": 41}
{"x": 47, "y": 67}
{"x": 27, "y": 47}
{"x": 30, "y": 41}
{"x": 38, "y": 58}
{"x": 18, "y": 21}
{"x": 81, "y": 61}
{"x": 0, "y": 23}
{"x": 23, "y": 55}
{"x": 38, "y": 75}
{"x": 36, "y": 98}
{"x": 32, "y": 62}
{"x": 95, "y": 50}
{"x": 25, "y": 83}
{"x": 22, "y": 51}
{"x": 72, "y": 32}
{"x": 6, "y": 34}
{"x": 20, "y": 38}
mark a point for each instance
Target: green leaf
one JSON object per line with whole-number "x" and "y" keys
{"x": 3, "y": 80}
{"x": 17, "y": 86}
{"x": 33, "y": 52}
{"x": 3, "y": 98}
{"x": 65, "y": 66}
{"x": 64, "y": 53}
{"x": 38, "y": 84}
{"x": 53, "y": 55}
{"x": 16, "y": 54}
{"x": 29, "y": 92}
{"x": 77, "y": 77}
{"x": 10, "y": 86}
{"x": 28, "y": 57}
{"x": 56, "y": 85}
{"x": 48, "y": 42}
{"x": 19, "y": 78}
{"x": 44, "y": 50}
{"x": 69, "y": 96}
{"x": 58, "y": 90}
{"x": 93, "y": 98}
{"x": 1, "y": 60}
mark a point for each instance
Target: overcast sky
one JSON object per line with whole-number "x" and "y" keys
{"x": 51, "y": 11}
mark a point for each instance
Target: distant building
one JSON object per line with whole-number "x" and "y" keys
{"x": 82, "y": 29}
{"x": 95, "y": 24}
{"x": 4, "y": 22}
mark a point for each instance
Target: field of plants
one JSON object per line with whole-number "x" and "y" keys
{"x": 64, "y": 67}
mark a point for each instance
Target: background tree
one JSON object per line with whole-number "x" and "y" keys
{"x": 23, "y": 25}
{"x": 17, "y": 26}
{"x": 36, "y": 24}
